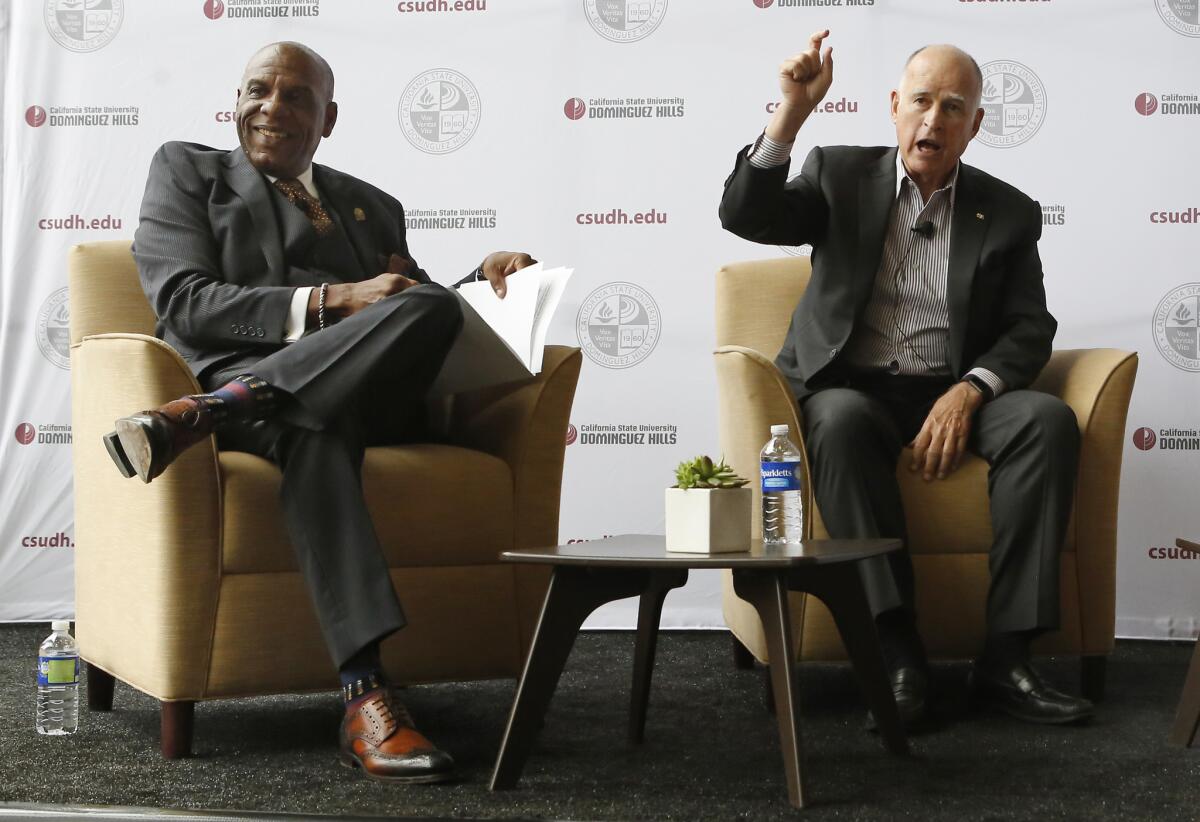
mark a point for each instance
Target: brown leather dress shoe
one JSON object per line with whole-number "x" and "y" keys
{"x": 378, "y": 736}
{"x": 147, "y": 442}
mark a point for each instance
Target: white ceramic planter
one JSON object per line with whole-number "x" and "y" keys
{"x": 708, "y": 520}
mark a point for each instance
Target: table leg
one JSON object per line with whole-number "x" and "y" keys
{"x": 649, "y": 613}
{"x": 572, "y": 595}
{"x": 1186, "y": 729}
{"x": 840, "y": 587}
{"x": 767, "y": 591}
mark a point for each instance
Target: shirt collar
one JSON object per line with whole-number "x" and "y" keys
{"x": 305, "y": 179}
{"x": 902, "y": 175}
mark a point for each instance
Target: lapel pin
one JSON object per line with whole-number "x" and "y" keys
{"x": 978, "y": 216}
{"x": 361, "y": 215}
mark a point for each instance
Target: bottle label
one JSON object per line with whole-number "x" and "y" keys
{"x": 58, "y": 670}
{"x": 781, "y": 476}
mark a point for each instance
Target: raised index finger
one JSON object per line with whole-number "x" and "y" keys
{"x": 814, "y": 42}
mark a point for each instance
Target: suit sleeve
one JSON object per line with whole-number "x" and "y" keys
{"x": 1026, "y": 327}
{"x": 178, "y": 261}
{"x": 763, "y": 206}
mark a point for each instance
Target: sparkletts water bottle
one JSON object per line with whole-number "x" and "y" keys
{"x": 58, "y": 682}
{"x": 782, "y": 503}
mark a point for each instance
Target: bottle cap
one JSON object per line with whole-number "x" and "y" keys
{"x": 779, "y": 430}
{"x": 60, "y": 625}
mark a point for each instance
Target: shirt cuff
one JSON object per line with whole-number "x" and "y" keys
{"x": 297, "y": 318}
{"x": 766, "y": 153}
{"x": 993, "y": 382}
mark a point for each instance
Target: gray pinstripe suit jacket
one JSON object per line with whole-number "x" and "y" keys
{"x": 210, "y": 251}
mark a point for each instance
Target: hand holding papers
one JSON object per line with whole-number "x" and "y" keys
{"x": 502, "y": 339}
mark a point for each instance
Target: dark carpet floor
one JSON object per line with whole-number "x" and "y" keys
{"x": 712, "y": 750}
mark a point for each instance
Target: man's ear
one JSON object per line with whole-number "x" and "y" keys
{"x": 895, "y": 104}
{"x": 978, "y": 122}
{"x": 330, "y": 118}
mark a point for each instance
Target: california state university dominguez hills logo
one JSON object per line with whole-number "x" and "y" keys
{"x": 625, "y": 21}
{"x": 53, "y": 329}
{"x": 1177, "y": 327}
{"x": 35, "y": 116}
{"x": 1181, "y": 15}
{"x": 84, "y": 25}
{"x": 1145, "y": 103}
{"x": 1014, "y": 104}
{"x": 618, "y": 325}
{"x": 1144, "y": 438}
{"x": 213, "y": 9}
{"x": 439, "y": 111}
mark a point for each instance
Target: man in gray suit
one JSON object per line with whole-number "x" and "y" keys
{"x": 923, "y": 324}
{"x": 290, "y": 290}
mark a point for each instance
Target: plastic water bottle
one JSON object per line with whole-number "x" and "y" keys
{"x": 58, "y": 682}
{"x": 782, "y": 473}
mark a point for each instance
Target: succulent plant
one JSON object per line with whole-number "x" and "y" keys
{"x": 702, "y": 472}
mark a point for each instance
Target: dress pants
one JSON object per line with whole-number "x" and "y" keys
{"x": 360, "y": 382}
{"x": 855, "y": 433}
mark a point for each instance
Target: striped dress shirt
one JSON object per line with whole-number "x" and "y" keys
{"x": 906, "y": 326}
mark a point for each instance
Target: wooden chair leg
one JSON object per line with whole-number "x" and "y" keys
{"x": 1091, "y": 677}
{"x": 99, "y": 689}
{"x": 743, "y": 660}
{"x": 176, "y": 729}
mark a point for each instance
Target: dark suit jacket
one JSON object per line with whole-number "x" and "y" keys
{"x": 840, "y": 204}
{"x": 210, "y": 251}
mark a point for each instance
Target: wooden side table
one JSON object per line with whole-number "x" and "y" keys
{"x": 588, "y": 575}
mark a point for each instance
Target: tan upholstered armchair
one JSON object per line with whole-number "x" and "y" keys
{"x": 179, "y": 583}
{"x": 948, "y": 521}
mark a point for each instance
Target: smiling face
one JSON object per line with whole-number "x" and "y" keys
{"x": 936, "y": 112}
{"x": 284, "y": 108}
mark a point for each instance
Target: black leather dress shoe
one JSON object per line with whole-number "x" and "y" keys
{"x": 145, "y": 444}
{"x": 1021, "y": 692}
{"x": 910, "y": 687}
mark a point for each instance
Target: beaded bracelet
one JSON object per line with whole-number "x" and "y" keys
{"x": 321, "y": 305}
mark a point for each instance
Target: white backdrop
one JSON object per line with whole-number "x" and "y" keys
{"x": 557, "y": 127}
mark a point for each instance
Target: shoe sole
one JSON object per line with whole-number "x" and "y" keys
{"x": 352, "y": 762}
{"x": 112, "y": 443}
{"x": 134, "y": 443}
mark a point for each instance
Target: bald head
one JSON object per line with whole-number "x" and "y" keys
{"x": 320, "y": 67}
{"x": 947, "y": 55}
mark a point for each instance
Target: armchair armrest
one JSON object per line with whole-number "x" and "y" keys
{"x": 526, "y": 426}
{"x": 752, "y": 396}
{"x": 1096, "y": 384}
{"x": 157, "y": 544}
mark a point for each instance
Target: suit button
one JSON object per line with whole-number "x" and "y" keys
{"x": 233, "y": 328}
{"x": 241, "y": 329}
{"x": 262, "y": 333}
{"x": 832, "y": 353}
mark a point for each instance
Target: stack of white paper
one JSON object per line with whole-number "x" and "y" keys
{"x": 502, "y": 339}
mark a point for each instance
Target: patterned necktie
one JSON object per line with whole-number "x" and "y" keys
{"x": 298, "y": 196}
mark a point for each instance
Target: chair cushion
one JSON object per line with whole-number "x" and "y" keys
{"x": 432, "y": 505}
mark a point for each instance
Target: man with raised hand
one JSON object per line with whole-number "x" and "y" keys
{"x": 924, "y": 322}
{"x": 289, "y": 289}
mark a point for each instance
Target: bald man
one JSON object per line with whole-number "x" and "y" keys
{"x": 923, "y": 324}
{"x": 290, "y": 290}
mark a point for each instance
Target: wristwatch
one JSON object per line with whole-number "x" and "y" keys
{"x": 979, "y": 385}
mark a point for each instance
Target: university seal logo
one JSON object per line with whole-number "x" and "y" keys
{"x": 1014, "y": 104}
{"x": 1177, "y": 327}
{"x": 84, "y": 25}
{"x": 1144, "y": 438}
{"x": 53, "y": 334}
{"x": 625, "y": 21}
{"x": 439, "y": 111}
{"x": 1145, "y": 103}
{"x": 618, "y": 325}
{"x": 1181, "y": 15}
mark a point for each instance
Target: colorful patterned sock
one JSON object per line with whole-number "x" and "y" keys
{"x": 361, "y": 675}
{"x": 243, "y": 398}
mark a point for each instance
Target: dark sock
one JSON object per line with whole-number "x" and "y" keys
{"x": 1005, "y": 651}
{"x": 899, "y": 640}
{"x": 361, "y": 674}
{"x": 243, "y": 398}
